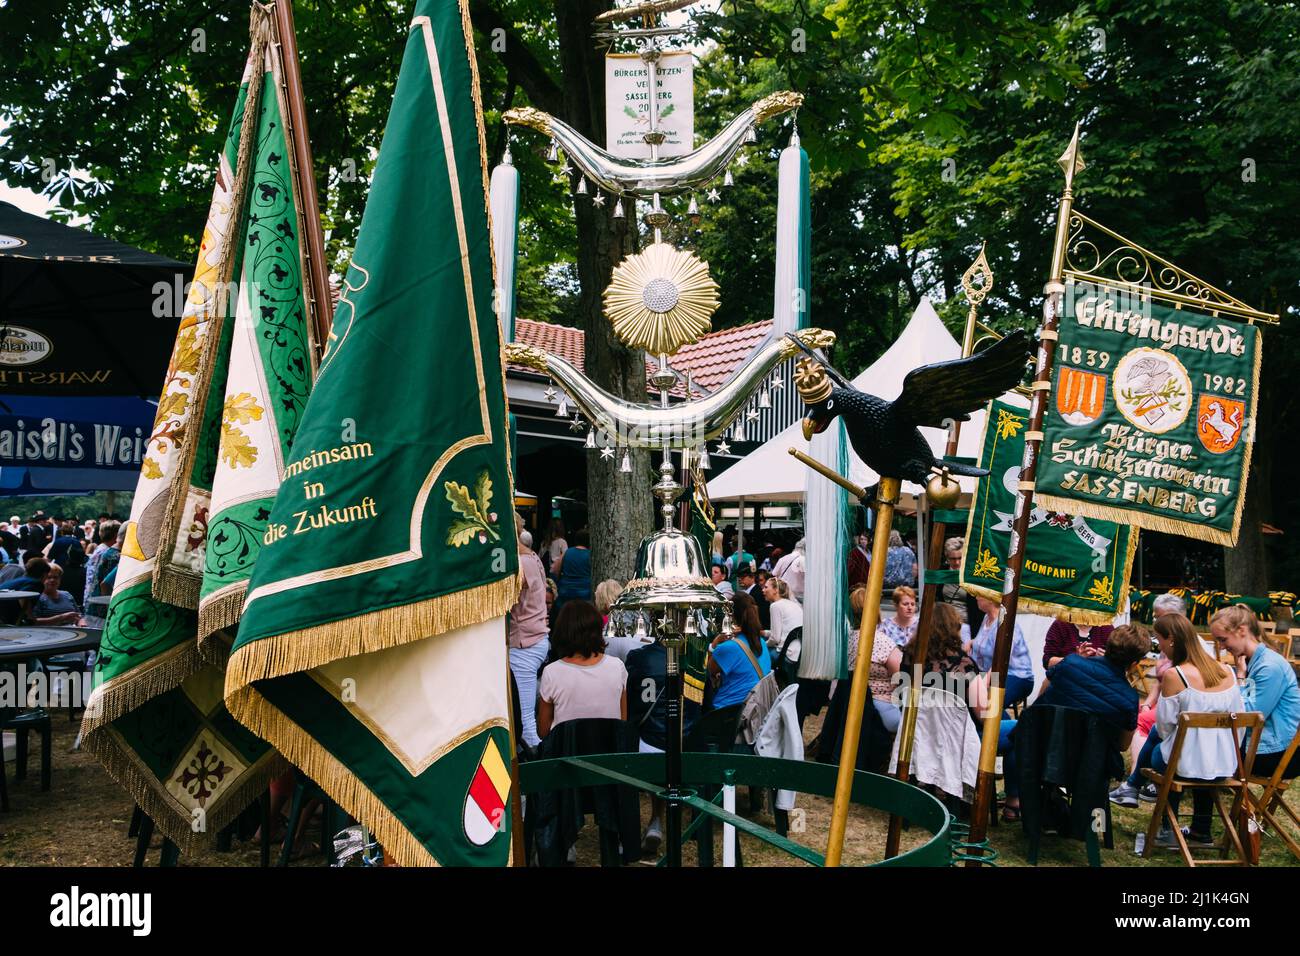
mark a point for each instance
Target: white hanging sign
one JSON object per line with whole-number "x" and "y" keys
{"x": 627, "y": 104}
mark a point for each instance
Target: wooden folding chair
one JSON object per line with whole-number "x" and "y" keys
{"x": 1279, "y": 641}
{"x": 1271, "y": 799}
{"x": 1169, "y": 782}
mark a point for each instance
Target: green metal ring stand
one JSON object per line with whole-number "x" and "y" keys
{"x": 646, "y": 772}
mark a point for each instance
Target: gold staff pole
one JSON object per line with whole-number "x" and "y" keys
{"x": 887, "y": 498}
{"x": 1072, "y": 162}
{"x": 975, "y": 295}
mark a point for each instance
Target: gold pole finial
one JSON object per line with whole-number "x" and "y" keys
{"x": 976, "y": 292}
{"x": 1071, "y": 160}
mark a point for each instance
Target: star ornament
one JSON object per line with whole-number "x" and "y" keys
{"x": 607, "y": 453}
{"x": 751, "y": 415}
{"x": 550, "y": 393}
{"x": 714, "y": 195}
{"x": 723, "y": 448}
{"x": 598, "y": 200}
{"x": 575, "y": 426}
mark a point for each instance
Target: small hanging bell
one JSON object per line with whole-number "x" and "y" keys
{"x": 727, "y": 180}
{"x": 553, "y": 153}
{"x": 591, "y": 438}
{"x": 563, "y": 410}
{"x": 618, "y": 208}
{"x": 740, "y": 431}
{"x": 626, "y": 466}
{"x": 582, "y": 186}
{"x": 751, "y": 135}
{"x": 764, "y": 399}
{"x": 704, "y": 457}
{"x": 693, "y": 209}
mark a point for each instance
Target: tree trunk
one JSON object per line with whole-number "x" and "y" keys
{"x": 619, "y": 510}
{"x": 1246, "y": 567}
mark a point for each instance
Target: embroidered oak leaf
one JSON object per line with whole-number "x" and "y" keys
{"x": 172, "y": 405}
{"x": 150, "y": 469}
{"x": 476, "y": 518}
{"x": 189, "y": 349}
{"x": 483, "y": 494}
{"x": 1008, "y": 425}
{"x": 241, "y": 409}
{"x": 1102, "y": 590}
{"x": 236, "y": 449}
{"x": 986, "y": 566}
{"x": 461, "y": 532}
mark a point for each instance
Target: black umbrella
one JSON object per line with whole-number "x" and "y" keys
{"x": 80, "y": 314}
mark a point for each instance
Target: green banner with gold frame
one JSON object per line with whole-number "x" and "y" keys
{"x": 1151, "y": 415}
{"x": 1075, "y": 567}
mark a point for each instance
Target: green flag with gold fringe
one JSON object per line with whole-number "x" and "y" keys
{"x": 1152, "y": 412}
{"x": 238, "y": 379}
{"x": 1075, "y": 567}
{"x": 372, "y": 647}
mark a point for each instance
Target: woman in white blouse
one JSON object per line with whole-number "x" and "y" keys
{"x": 786, "y": 613}
{"x": 1195, "y": 683}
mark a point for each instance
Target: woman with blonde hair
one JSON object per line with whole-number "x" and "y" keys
{"x": 886, "y": 659}
{"x": 784, "y": 612}
{"x": 1195, "y": 683}
{"x": 607, "y": 593}
{"x": 1268, "y": 686}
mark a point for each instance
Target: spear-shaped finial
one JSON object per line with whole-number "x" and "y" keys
{"x": 1072, "y": 159}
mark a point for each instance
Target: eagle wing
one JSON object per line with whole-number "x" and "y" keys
{"x": 952, "y": 390}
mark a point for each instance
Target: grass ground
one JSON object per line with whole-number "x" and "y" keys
{"x": 83, "y": 819}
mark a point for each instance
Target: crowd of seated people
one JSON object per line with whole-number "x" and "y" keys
{"x": 593, "y": 660}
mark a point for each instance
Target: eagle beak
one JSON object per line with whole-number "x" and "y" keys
{"x": 809, "y": 428}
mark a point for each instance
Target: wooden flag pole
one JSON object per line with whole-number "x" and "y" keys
{"x": 318, "y": 286}
{"x": 887, "y": 497}
{"x": 934, "y": 559}
{"x": 1072, "y": 163}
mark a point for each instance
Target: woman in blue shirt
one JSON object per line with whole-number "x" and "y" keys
{"x": 1020, "y": 670}
{"x": 1268, "y": 685}
{"x": 739, "y": 662}
{"x": 573, "y": 573}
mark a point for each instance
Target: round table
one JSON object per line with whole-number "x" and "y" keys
{"x": 18, "y": 595}
{"x": 42, "y": 643}
{"x": 98, "y": 604}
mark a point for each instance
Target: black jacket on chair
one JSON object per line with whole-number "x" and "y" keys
{"x": 555, "y": 817}
{"x": 1062, "y": 748}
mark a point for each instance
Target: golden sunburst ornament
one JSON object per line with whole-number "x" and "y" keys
{"x": 661, "y": 299}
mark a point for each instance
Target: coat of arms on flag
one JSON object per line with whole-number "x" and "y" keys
{"x": 1219, "y": 422}
{"x": 1080, "y": 395}
{"x": 487, "y": 801}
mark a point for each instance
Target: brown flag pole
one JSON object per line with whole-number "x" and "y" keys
{"x": 1071, "y": 162}
{"x": 975, "y": 294}
{"x": 319, "y": 302}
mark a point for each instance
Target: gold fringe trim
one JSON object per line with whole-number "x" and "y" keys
{"x": 1075, "y": 615}
{"x": 311, "y": 647}
{"x": 257, "y": 714}
{"x": 171, "y": 585}
{"x": 216, "y": 613}
{"x": 215, "y": 649}
{"x": 140, "y": 685}
{"x": 1138, "y": 519}
{"x": 168, "y": 815}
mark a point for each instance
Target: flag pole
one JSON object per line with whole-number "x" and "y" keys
{"x": 318, "y": 288}
{"x": 1071, "y": 162}
{"x": 886, "y": 498}
{"x": 975, "y": 295}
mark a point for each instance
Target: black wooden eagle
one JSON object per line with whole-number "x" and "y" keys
{"x": 883, "y": 433}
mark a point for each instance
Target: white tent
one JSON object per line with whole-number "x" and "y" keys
{"x": 771, "y": 473}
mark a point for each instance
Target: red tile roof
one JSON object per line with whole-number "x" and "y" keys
{"x": 559, "y": 340}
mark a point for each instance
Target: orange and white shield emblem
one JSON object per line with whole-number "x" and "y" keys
{"x": 1219, "y": 422}
{"x": 1080, "y": 395}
